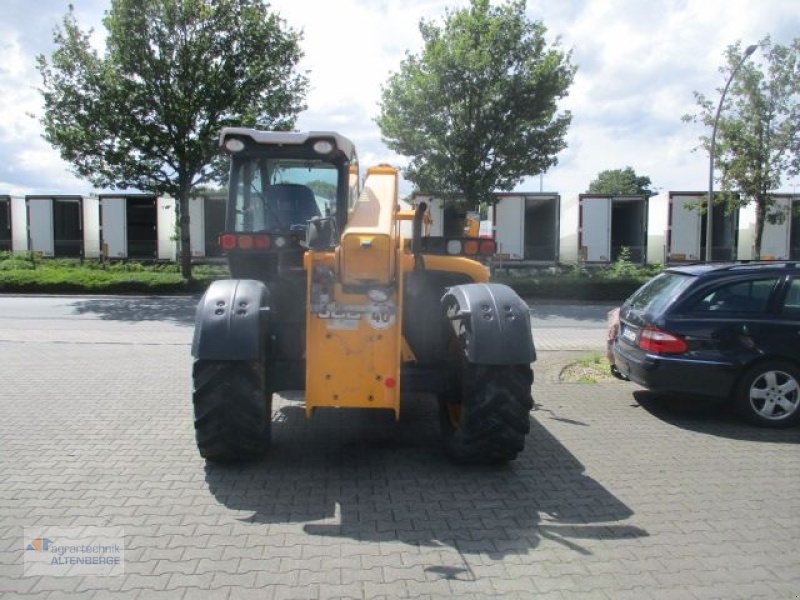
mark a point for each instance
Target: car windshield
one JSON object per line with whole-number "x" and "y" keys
{"x": 277, "y": 194}
{"x": 654, "y": 295}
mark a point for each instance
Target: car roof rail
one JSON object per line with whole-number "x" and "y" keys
{"x": 745, "y": 264}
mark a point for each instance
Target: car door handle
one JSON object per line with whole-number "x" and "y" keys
{"x": 745, "y": 330}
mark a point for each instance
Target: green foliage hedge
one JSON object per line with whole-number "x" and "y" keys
{"x": 32, "y": 274}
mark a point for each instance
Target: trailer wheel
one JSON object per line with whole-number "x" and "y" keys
{"x": 487, "y": 419}
{"x": 232, "y": 409}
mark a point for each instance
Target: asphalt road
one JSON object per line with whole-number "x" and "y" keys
{"x": 562, "y": 326}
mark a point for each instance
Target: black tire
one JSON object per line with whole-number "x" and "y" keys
{"x": 768, "y": 394}
{"x": 487, "y": 420}
{"x": 232, "y": 410}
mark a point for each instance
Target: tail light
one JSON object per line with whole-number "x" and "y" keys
{"x": 248, "y": 241}
{"x": 471, "y": 247}
{"x": 488, "y": 247}
{"x": 261, "y": 242}
{"x": 227, "y": 241}
{"x": 658, "y": 341}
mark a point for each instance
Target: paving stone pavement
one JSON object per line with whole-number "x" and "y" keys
{"x": 619, "y": 494}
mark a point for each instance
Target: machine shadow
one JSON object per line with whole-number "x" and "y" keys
{"x": 176, "y": 309}
{"x": 710, "y": 417}
{"x": 359, "y": 475}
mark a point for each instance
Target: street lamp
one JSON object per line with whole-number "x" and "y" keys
{"x": 710, "y": 201}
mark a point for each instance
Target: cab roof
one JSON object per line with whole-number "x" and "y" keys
{"x": 296, "y": 138}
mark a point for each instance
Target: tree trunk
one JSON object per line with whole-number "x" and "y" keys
{"x": 183, "y": 220}
{"x": 761, "y": 213}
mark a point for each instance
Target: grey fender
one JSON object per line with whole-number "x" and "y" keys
{"x": 231, "y": 321}
{"x": 495, "y": 321}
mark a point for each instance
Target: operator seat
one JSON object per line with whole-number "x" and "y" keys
{"x": 292, "y": 203}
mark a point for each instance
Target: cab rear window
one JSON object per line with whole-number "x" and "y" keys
{"x": 654, "y": 295}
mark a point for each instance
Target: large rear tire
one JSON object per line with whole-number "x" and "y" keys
{"x": 487, "y": 420}
{"x": 232, "y": 410}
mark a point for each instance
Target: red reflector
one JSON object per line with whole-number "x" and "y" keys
{"x": 470, "y": 247}
{"x": 245, "y": 242}
{"x": 227, "y": 241}
{"x": 487, "y": 247}
{"x": 389, "y": 382}
{"x": 261, "y": 242}
{"x": 660, "y": 342}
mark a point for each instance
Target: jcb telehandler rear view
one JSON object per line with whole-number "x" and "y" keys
{"x": 329, "y": 297}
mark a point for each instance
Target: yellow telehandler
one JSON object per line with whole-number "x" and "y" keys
{"x": 328, "y": 296}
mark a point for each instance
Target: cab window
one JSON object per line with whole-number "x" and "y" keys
{"x": 278, "y": 194}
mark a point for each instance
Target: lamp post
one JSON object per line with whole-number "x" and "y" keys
{"x": 710, "y": 201}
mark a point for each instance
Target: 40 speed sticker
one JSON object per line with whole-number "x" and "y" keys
{"x": 381, "y": 318}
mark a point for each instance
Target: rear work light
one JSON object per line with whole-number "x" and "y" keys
{"x": 461, "y": 246}
{"x": 454, "y": 247}
{"x": 658, "y": 341}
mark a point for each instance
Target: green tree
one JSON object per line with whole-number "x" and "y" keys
{"x": 621, "y": 182}
{"x": 758, "y": 135}
{"x": 476, "y": 110}
{"x": 147, "y": 113}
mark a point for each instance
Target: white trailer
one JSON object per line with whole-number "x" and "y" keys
{"x": 608, "y": 224}
{"x": 779, "y": 238}
{"x": 137, "y": 226}
{"x": 55, "y": 225}
{"x": 686, "y": 233}
{"x": 684, "y": 228}
{"x": 527, "y": 226}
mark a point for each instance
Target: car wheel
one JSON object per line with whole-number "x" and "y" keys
{"x": 769, "y": 394}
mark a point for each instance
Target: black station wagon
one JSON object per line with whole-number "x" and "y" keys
{"x": 722, "y": 331}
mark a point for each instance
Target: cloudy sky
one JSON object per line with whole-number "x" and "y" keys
{"x": 638, "y": 63}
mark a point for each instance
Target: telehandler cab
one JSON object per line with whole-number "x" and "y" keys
{"x": 328, "y": 296}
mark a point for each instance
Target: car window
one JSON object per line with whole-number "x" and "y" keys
{"x": 750, "y": 296}
{"x": 791, "y": 304}
{"x": 654, "y": 295}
